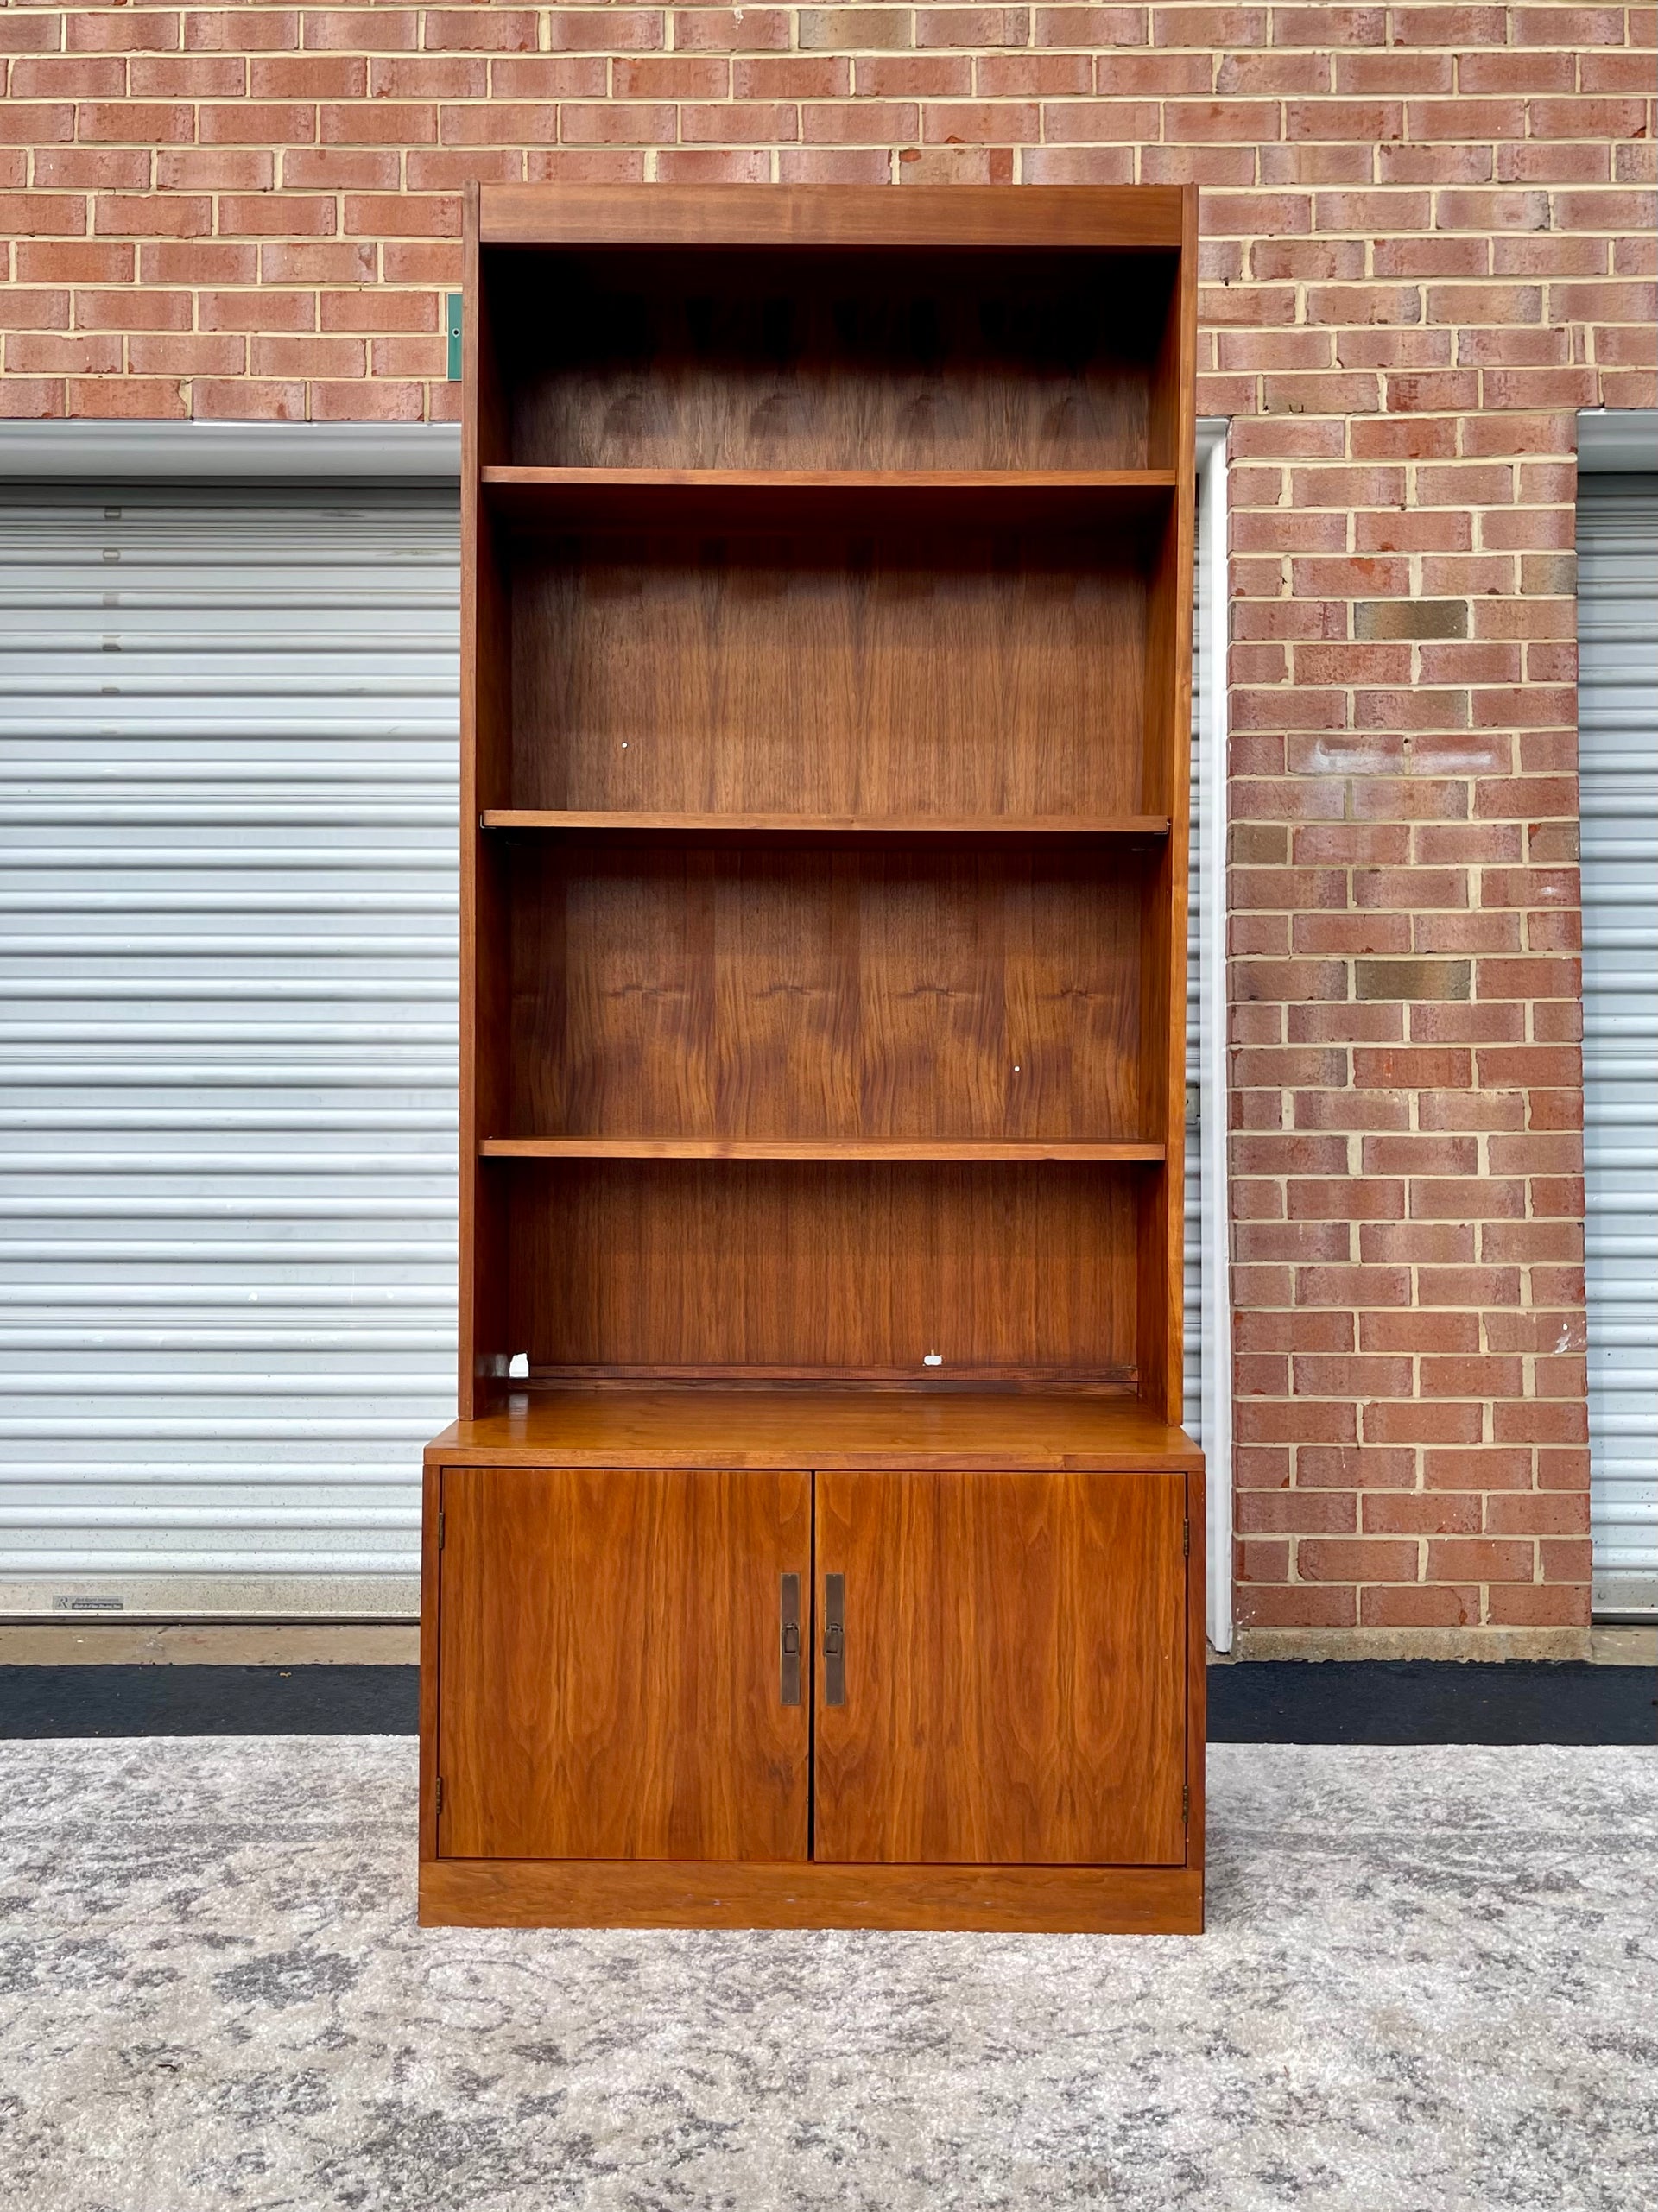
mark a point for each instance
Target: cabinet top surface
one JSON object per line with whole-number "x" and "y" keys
{"x": 817, "y": 1427}
{"x": 1120, "y": 216}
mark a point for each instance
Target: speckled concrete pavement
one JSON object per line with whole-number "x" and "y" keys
{"x": 1430, "y": 1983}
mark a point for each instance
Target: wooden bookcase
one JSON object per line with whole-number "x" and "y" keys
{"x": 817, "y": 1544}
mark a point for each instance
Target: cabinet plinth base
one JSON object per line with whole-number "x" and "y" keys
{"x": 703, "y": 1894}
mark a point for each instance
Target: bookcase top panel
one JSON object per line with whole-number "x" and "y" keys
{"x": 1135, "y": 217}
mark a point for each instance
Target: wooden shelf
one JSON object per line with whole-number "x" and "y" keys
{"x": 952, "y": 1151}
{"x": 622, "y": 823}
{"x": 774, "y": 499}
{"x": 937, "y": 1424}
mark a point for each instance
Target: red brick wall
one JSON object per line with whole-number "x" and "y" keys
{"x": 1429, "y": 240}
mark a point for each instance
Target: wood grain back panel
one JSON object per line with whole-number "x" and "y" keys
{"x": 1015, "y": 1670}
{"x": 974, "y": 673}
{"x": 707, "y": 991}
{"x": 610, "y": 1667}
{"x": 751, "y": 359}
{"x": 814, "y": 1269}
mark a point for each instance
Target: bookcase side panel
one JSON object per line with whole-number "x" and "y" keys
{"x": 485, "y": 754}
{"x": 1167, "y": 786}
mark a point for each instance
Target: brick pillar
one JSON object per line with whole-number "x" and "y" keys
{"x": 1412, "y": 1470}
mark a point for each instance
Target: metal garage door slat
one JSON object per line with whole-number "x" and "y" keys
{"x": 1618, "y": 536}
{"x": 227, "y": 1041}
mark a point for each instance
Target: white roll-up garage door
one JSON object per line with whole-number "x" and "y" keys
{"x": 227, "y": 1021}
{"x": 227, "y": 1044}
{"x": 1617, "y": 616}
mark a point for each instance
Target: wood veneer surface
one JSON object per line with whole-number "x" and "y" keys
{"x": 640, "y": 824}
{"x": 836, "y": 992}
{"x": 751, "y": 360}
{"x": 610, "y": 1664}
{"x": 1014, "y": 1669}
{"x": 1059, "y": 1900}
{"x": 540, "y": 501}
{"x": 945, "y": 1149}
{"x": 825, "y": 1267}
{"x": 805, "y": 217}
{"x": 954, "y": 633}
{"x": 963, "y": 673}
{"x": 819, "y": 1427}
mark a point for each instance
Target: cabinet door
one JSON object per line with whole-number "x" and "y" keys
{"x": 611, "y": 1683}
{"x": 1014, "y": 1669}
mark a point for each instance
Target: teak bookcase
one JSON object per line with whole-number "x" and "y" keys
{"x": 817, "y": 1544}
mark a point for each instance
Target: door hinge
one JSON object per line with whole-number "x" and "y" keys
{"x": 1186, "y": 1803}
{"x": 440, "y": 1531}
{"x": 454, "y": 304}
{"x": 1185, "y": 1536}
{"x": 437, "y": 1796}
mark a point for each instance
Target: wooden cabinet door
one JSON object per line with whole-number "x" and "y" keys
{"x": 611, "y": 1684}
{"x": 1014, "y": 1669}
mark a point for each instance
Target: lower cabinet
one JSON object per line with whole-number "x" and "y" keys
{"x": 858, "y": 1668}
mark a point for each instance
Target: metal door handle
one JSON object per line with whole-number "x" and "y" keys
{"x": 788, "y": 1640}
{"x": 834, "y": 1639}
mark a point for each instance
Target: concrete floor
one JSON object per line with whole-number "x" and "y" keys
{"x": 1428, "y": 1986}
